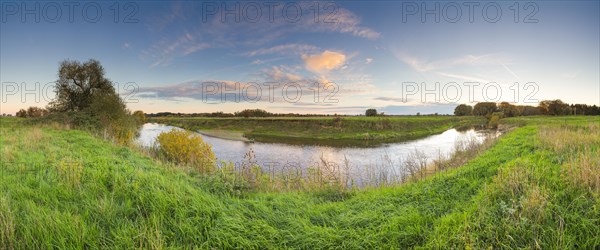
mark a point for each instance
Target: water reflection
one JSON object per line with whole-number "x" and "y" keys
{"x": 277, "y": 156}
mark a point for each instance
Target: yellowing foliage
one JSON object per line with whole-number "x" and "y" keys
{"x": 185, "y": 147}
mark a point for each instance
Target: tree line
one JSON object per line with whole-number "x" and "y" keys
{"x": 243, "y": 113}
{"x": 546, "y": 107}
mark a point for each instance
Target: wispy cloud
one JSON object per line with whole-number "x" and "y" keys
{"x": 423, "y": 65}
{"x": 191, "y": 36}
{"x": 510, "y": 71}
{"x": 389, "y": 99}
{"x": 463, "y": 77}
{"x": 344, "y": 21}
{"x": 285, "y": 49}
{"x": 282, "y": 74}
{"x": 166, "y": 50}
{"x": 188, "y": 89}
{"x": 462, "y": 68}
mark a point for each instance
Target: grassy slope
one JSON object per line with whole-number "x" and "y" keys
{"x": 327, "y": 130}
{"x": 74, "y": 191}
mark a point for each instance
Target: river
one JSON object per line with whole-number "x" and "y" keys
{"x": 357, "y": 161}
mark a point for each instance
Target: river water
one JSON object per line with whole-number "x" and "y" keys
{"x": 357, "y": 161}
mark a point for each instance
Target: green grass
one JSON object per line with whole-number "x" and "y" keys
{"x": 354, "y": 131}
{"x": 66, "y": 189}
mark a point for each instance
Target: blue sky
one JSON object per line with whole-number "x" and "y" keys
{"x": 358, "y": 54}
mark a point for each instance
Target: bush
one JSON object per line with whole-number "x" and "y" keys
{"x": 187, "y": 148}
{"x": 140, "y": 117}
{"x": 493, "y": 123}
{"x": 110, "y": 115}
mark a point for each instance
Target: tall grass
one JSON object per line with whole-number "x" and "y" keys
{"x": 516, "y": 194}
{"x": 579, "y": 147}
{"x": 7, "y": 225}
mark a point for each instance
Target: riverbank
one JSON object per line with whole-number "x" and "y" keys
{"x": 536, "y": 187}
{"x": 340, "y": 131}
{"x": 225, "y": 134}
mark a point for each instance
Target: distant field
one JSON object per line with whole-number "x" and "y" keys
{"x": 537, "y": 187}
{"x": 327, "y": 130}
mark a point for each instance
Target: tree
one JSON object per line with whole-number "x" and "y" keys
{"x": 462, "y": 110}
{"x": 554, "y": 107}
{"x": 484, "y": 108}
{"x": 90, "y": 101}
{"x": 76, "y": 84}
{"x": 509, "y": 110}
{"x": 36, "y": 112}
{"x": 22, "y": 113}
{"x": 371, "y": 112}
{"x": 253, "y": 113}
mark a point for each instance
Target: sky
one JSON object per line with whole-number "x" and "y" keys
{"x": 307, "y": 57}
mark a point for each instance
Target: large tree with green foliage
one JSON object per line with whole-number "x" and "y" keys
{"x": 90, "y": 101}
{"x": 78, "y": 83}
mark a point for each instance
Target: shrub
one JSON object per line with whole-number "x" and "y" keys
{"x": 140, "y": 117}
{"x": 110, "y": 115}
{"x": 493, "y": 122}
{"x": 187, "y": 148}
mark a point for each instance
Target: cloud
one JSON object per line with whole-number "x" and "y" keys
{"x": 511, "y": 72}
{"x": 321, "y": 109}
{"x": 194, "y": 47}
{"x": 389, "y": 99}
{"x": 326, "y": 61}
{"x": 282, "y": 74}
{"x": 344, "y": 21}
{"x": 368, "y": 60}
{"x": 165, "y": 51}
{"x": 189, "y": 89}
{"x": 422, "y": 65}
{"x": 285, "y": 49}
{"x": 440, "y": 108}
{"x": 456, "y": 67}
{"x": 185, "y": 36}
{"x": 464, "y": 77}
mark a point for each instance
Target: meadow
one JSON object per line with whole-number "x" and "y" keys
{"x": 538, "y": 186}
{"x": 325, "y": 130}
